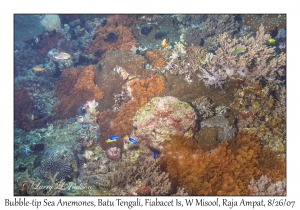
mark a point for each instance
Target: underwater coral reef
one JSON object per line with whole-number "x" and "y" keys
{"x": 150, "y": 105}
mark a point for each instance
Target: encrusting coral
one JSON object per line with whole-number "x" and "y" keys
{"x": 226, "y": 170}
{"x": 73, "y": 89}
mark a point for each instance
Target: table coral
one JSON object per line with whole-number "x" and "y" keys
{"x": 162, "y": 117}
{"x": 226, "y": 170}
{"x": 74, "y": 87}
{"x": 123, "y": 35}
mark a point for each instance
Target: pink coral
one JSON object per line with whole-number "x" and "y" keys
{"x": 114, "y": 153}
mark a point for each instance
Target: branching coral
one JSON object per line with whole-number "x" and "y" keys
{"x": 123, "y": 39}
{"x": 146, "y": 170}
{"x": 255, "y": 62}
{"x": 210, "y": 29}
{"x": 74, "y": 87}
{"x": 184, "y": 62}
{"x": 226, "y": 170}
{"x": 265, "y": 186}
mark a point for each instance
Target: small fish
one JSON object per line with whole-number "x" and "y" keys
{"x": 132, "y": 140}
{"x": 202, "y": 61}
{"x": 38, "y": 68}
{"x": 89, "y": 143}
{"x": 271, "y": 41}
{"x": 30, "y": 116}
{"x": 123, "y": 74}
{"x": 35, "y": 39}
{"x": 26, "y": 150}
{"x": 112, "y": 139}
{"x": 88, "y": 31}
{"x": 62, "y": 56}
{"x": 237, "y": 51}
{"x": 164, "y": 43}
{"x": 154, "y": 155}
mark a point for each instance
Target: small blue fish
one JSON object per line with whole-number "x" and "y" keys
{"x": 26, "y": 150}
{"x": 88, "y": 31}
{"x": 154, "y": 155}
{"x": 132, "y": 140}
{"x": 112, "y": 139}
